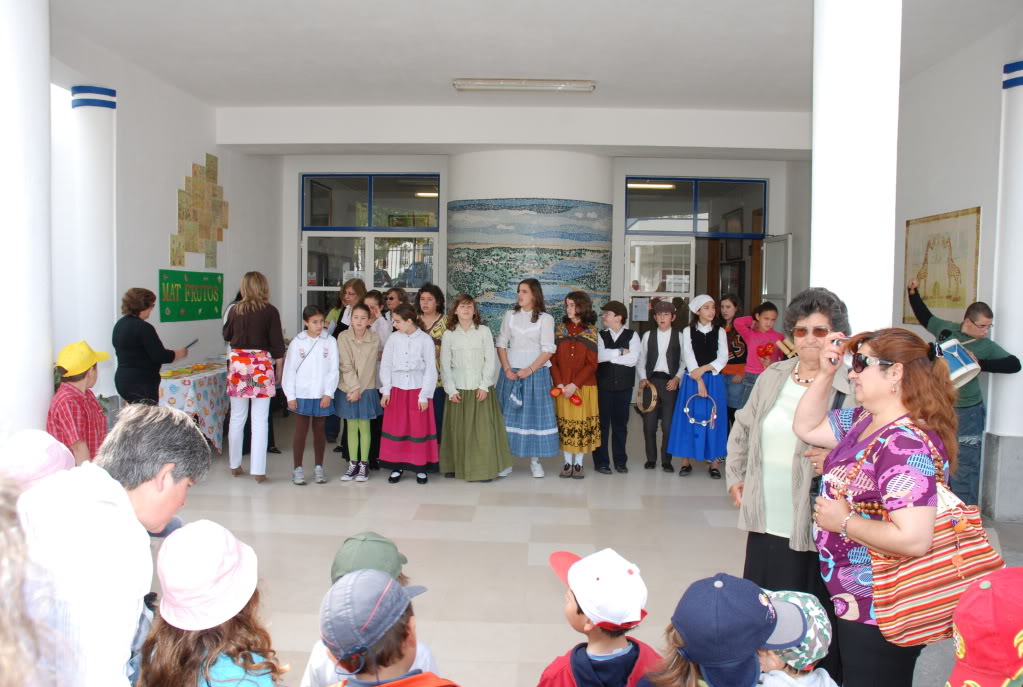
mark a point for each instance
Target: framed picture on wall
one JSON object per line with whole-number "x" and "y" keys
{"x": 942, "y": 254}
{"x": 733, "y": 249}
{"x": 733, "y": 279}
{"x": 731, "y": 222}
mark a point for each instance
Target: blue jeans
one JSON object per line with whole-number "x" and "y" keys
{"x": 965, "y": 482}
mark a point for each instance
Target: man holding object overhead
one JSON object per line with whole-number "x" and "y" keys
{"x": 972, "y": 333}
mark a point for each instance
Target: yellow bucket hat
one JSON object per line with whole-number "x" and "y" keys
{"x": 78, "y": 357}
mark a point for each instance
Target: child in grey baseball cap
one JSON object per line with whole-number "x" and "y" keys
{"x": 368, "y": 626}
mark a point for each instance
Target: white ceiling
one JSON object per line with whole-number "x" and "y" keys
{"x": 711, "y": 54}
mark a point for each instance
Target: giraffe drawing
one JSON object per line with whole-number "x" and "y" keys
{"x": 952, "y": 270}
{"x": 921, "y": 275}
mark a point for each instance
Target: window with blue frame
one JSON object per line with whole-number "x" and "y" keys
{"x": 709, "y": 208}
{"x": 371, "y": 202}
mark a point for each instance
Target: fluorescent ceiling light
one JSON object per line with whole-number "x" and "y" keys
{"x": 666, "y": 187}
{"x": 426, "y": 194}
{"x": 553, "y": 85}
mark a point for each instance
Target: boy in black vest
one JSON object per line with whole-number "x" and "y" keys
{"x": 660, "y": 362}
{"x": 617, "y": 355}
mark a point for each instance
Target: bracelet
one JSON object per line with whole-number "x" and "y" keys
{"x": 845, "y": 523}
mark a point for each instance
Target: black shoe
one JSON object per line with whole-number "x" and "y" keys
{"x": 649, "y": 465}
{"x": 374, "y": 464}
{"x": 395, "y": 477}
{"x": 449, "y": 475}
{"x": 603, "y": 469}
{"x": 272, "y": 449}
{"x": 685, "y": 470}
{"x": 715, "y": 473}
{"x": 338, "y": 449}
{"x": 421, "y": 478}
{"x": 667, "y": 467}
{"x": 621, "y": 468}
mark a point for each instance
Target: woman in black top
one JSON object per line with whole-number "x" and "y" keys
{"x": 139, "y": 350}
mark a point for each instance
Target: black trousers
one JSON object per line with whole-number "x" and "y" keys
{"x": 614, "y": 421}
{"x": 872, "y": 660}
{"x": 771, "y": 564}
{"x": 661, "y": 414}
{"x": 137, "y": 386}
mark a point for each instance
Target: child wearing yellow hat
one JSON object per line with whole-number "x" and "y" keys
{"x": 75, "y": 417}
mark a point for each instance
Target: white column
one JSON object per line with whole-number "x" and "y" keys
{"x": 25, "y": 197}
{"x": 856, "y": 56}
{"x": 1004, "y": 417}
{"x": 94, "y": 140}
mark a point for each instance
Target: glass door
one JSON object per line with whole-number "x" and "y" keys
{"x": 657, "y": 268}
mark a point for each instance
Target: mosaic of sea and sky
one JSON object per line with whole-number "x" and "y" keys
{"x": 494, "y": 244}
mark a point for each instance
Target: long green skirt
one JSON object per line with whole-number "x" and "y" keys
{"x": 474, "y": 443}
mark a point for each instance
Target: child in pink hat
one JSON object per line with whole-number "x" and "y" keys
{"x": 30, "y": 455}
{"x": 208, "y": 630}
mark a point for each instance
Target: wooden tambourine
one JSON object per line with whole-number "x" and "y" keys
{"x": 653, "y": 399}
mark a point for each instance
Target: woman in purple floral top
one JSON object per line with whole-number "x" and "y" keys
{"x": 877, "y": 465}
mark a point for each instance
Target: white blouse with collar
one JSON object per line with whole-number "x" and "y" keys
{"x": 524, "y": 339}
{"x": 409, "y": 362}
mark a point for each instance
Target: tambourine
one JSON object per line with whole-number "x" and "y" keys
{"x": 653, "y": 399}
{"x": 713, "y": 412}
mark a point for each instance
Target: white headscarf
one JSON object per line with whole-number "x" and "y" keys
{"x": 699, "y": 302}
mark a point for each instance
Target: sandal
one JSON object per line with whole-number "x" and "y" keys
{"x": 715, "y": 473}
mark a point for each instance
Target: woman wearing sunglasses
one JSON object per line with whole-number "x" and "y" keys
{"x": 879, "y": 488}
{"x": 768, "y": 475}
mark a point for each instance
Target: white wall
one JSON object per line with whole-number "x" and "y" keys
{"x": 161, "y": 132}
{"x": 530, "y": 173}
{"x": 288, "y": 233}
{"x": 798, "y": 222}
{"x": 949, "y": 140}
{"x": 778, "y": 198}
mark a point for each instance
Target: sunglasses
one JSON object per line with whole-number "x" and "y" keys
{"x": 860, "y": 362}
{"x": 819, "y": 331}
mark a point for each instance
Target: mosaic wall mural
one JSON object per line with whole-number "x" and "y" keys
{"x": 494, "y": 244}
{"x": 202, "y": 215}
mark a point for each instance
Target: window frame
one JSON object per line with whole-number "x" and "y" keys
{"x": 631, "y": 221}
{"x": 369, "y": 208}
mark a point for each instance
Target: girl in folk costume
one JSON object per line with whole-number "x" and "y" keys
{"x": 735, "y": 370}
{"x": 698, "y": 429}
{"x": 524, "y": 347}
{"x": 574, "y": 370}
{"x": 408, "y": 378}
{"x": 357, "y": 399}
{"x": 309, "y": 381}
{"x": 429, "y": 304}
{"x": 475, "y": 443}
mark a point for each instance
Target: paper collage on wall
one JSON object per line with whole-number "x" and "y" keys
{"x": 942, "y": 254}
{"x": 202, "y": 215}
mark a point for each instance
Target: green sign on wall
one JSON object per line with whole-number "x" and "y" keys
{"x": 190, "y": 295}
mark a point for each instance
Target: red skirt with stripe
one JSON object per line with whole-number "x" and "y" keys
{"x": 409, "y": 437}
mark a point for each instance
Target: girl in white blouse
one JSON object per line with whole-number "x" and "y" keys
{"x": 525, "y": 346}
{"x": 474, "y": 443}
{"x": 699, "y": 428}
{"x": 408, "y": 378}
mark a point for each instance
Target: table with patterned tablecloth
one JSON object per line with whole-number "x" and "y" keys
{"x": 202, "y": 393}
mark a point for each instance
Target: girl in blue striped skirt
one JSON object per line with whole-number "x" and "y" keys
{"x": 524, "y": 347}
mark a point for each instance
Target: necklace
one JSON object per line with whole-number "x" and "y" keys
{"x": 795, "y": 373}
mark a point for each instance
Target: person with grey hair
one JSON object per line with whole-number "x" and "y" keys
{"x": 89, "y": 581}
{"x": 769, "y": 471}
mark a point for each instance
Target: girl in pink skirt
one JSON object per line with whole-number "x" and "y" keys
{"x": 408, "y": 378}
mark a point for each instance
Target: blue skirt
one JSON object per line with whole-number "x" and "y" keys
{"x": 528, "y": 411}
{"x": 311, "y": 407}
{"x": 691, "y": 440}
{"x": 366, "y": 408}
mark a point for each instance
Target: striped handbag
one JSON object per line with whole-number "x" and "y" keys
{"x": 914, "y": 597}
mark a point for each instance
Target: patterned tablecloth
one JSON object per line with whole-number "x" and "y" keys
{"x": 202, "y": 394}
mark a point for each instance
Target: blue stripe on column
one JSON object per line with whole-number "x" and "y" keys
{"x": 92, "y": 102}
{"x": 1012, "y": 83}
{"x": 98, "y": 90}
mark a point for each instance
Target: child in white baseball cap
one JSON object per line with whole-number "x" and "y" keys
{"x": 605, "y": 599}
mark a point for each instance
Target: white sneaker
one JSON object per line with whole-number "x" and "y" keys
{"x": 353, "y": 468}
{"x": 505, "y": 472}
{"x": 298, "y": 476}
{"x": 362, "y": 477}
{"x": 319, "y": 476}
{"x": 536, "y": 468}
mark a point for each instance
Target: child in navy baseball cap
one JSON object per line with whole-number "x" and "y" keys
{"x": 716, "y": 630}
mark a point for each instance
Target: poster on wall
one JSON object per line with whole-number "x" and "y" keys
{"x": 186, "y": 296}
{"x": 202, "y": 215}
{"x": 942, "y": 254}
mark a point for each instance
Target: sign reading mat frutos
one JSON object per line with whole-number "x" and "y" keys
{"x": 190, "y": 295}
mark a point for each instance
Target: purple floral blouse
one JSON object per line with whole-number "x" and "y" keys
{"x": 900, "y": 475}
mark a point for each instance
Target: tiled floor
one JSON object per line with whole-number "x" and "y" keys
{"x": 492, "y": 615}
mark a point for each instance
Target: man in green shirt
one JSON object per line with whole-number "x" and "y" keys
{"x": 973, "y": 334}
